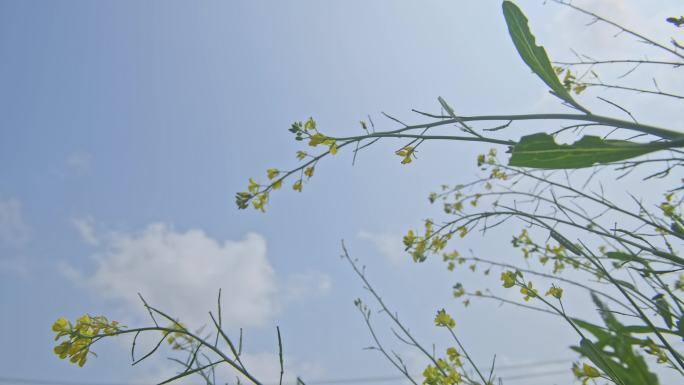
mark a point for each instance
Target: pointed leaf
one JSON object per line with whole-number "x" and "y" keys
{"x": 623, "y": 257}
{"x": 598, "y": 358}
{"x": 663, "y": 309}
{"x": 541, "y": 151}
{"x": 534, "y": 55}
{"x": 606, "y": 314}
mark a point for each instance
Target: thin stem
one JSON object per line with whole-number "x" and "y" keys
{"x": 618, "y": 61}
{"x": 638, "y": 90}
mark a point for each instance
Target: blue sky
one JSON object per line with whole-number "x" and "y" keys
{"x": 126, "y": 127}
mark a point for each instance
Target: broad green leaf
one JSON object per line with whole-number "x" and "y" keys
{"x": 599, "y": 332}
{"x": 604, "y": 338}
{"x": 598, "y": 358}
{"x": 534, "y": 55}
{"x": 641, "y": 329}
{"x": 606, "y": 314}
{"x": 613, "y": 353}
{"x": 541, "y": 151}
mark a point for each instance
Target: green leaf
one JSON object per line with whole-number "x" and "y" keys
{"x": 606, "y": 314}
{"x": 625, "y": 284}
{"x": 541, "y": 151}
{"x": 566, "y": 243}
{"x": 534, "y": 55}
{"x": 600, "y": 333}
{"x": 641, "y": 329}
{"x": 623, "y": 257}
{"x": 663, "y": 308}
{"x": 598, "y": 358}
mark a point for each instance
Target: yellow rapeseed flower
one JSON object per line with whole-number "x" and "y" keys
{"x": 444, "y": 319}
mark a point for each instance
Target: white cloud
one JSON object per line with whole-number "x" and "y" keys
{"x": 13, "y": 229}
{"x": 79, "y": 162}
{"x": 69, "y": 272}
{"x": 390, "y": 246}
{"x": 181, "y": 273}
{"x": 310, "y": 284}
{"x": 86, "y": 229}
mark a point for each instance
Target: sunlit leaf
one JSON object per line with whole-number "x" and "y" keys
{"x": 534, "y": 55}
{"x": 541, "y": 151}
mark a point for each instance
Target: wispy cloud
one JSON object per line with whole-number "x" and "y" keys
{"x": 389, "y": 245}
{"x": 79, "y": 162}
{"x": 310, "y": 284}
{"x": 13, "y": 229}
{"x": 86, "y": 230}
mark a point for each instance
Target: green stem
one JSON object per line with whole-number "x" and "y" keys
{"x": 605, "y": 120}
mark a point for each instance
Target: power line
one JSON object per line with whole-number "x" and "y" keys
{"x": 357, "y": 380}
{"x": 533, "y": 375}
{"x": 506, "y": 367}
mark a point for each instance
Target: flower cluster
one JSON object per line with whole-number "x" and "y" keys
{"x": 509, "y": 278}
{"x": 585, "y": 372}
{"x": 407, "y": 153}
{"x": 258, "y": 194}
{"x": 443, "y": 319}
{"x": 555, "y": 292}
{"x": 528, "y": 291}
{"x": 651, "y": 348}
{"x": 446, "y": 371}
{"x": 544, "y": 253}
{"x": 570, "y": 80}
{"x": 178, "y": 340}
{"x": 431, "y": 241}
{"x": 81, "y": 336}
{"x": 670, "y": 207}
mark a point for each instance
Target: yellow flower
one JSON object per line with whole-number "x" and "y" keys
{"x": 253, "y": 186}
{"x": 409, "y": 238}
{"x": 83, "y": 320}
{"x": 407, "y": 153}
{"x": 309, "y": 171}
{"x": 297, "y": 186}
{"x": 555, "y": 291}
{"x": 443, "y": 319}
{"x": 272, "y": 173}
{"x": 528, "y": 291}
{"x": 60, "y": 325}
{"x": 508, "y": 278}
{"x": 453, "y": 355}
{"x": 590, "y": 371}
{"x": 316, "y": 139}
{"x": 260, "y": 202}
{"x": 310, "y": 124}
